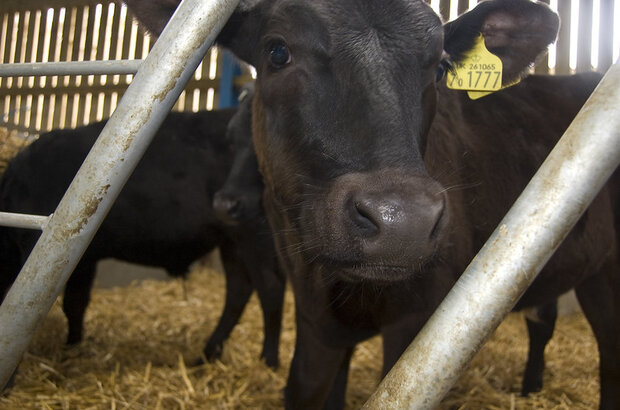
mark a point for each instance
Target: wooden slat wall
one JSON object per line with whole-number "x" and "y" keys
{"x": 78, "y": 32}
{"x": 78, "y": 29}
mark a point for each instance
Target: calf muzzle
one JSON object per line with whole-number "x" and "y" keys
{"x": 228, "y": 208}
{"x": 383, "y": 222}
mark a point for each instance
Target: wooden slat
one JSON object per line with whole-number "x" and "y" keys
{"x": 114, "y": 44}
{"x": 89, "y": 32}
{"x": 41, "y": 43}
{"x": 107, "y": 105}
{"x": 65, "y": 120}
{"x": 101, "y": 42}
{"x": 7, "y": 28}
{"x": 542, "y": 63}
{"x": 127, "y": 37}
{"x": 66, "y": 49}
{"x": 53, "y": 42}
{"x": 189, "y": 99}
{"x": 2, "y": 118}
{"x": 444, "y": 9}
{"x": 81, "y": 113}
{"x": 31, "y": 43}
{"x": 77, "y": 113}
{"x": 89, "y": 49}
{"x": 463, "y": 6}
{"x": 605, "y": 36}
{"x": 23, "y": 5}
{"x": 12, "y": 29}
{"x": 54, "y": 35}
{"x": 584, "y": 45}
{"x": 45, "y": 113}
{"x": 27, "y": 44}
{"x": 202, "y": 104}
{"x": 91, "y": 114}
{"x": 6, "y": 109}
{"x": 22, "y": 26}
{"x": 563, "y": 44}
{"x": 101, "y": 34}
{"x": 13, "y": 110}
{"x": 60, "y": 106}
{"x": 139, "y": 43}
{"x": 73, "y": 47}
{"x": 127, "y": 45}
{"x": 30, "y": 111}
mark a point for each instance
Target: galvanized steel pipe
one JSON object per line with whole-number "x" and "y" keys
{"x": 148, "y": 99}
{"x": 99, "y": 67}
{"x": 23, "y": 220}
{"x": 540, "y": 219}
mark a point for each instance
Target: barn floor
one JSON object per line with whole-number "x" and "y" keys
{"x": 141, "y": 340}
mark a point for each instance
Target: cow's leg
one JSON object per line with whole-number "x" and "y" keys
{"x": 11, "y": 260}
{"x": 76, "y": 298}
{"x": 318, "y": 374}
{"x": 271, "y": 296}
{"x": 397, "y": 336}
{"x": 596, "y": 297}
{"x": 540, "y": 329}
{"x": 238, "y": 291}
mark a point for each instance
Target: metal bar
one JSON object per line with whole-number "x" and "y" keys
{"x": 122, "y": 142}
{"x": 550, "y": 205}
{"x": 23, "y": 220}
{"x": 70, "y": 68}
{"x": 203, "y": 85}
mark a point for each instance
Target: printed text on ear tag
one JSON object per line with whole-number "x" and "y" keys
{"x": 479, "y": 70}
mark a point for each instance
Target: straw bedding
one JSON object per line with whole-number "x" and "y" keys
{"x": 141, "y": 340}
{"x": 11, "y": 142}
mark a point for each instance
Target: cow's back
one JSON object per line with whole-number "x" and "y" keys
{"x": 169, "y": 195}
{"x": 495, "y": 146}
{"x": 167, "y": 200}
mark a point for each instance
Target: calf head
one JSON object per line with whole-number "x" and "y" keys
{"x": 239, "y": 199}
{"x": 345, "y": 96}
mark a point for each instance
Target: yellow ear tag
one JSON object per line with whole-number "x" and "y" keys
{"x": 474, "y": 95}
{"x": 479, "y": 72}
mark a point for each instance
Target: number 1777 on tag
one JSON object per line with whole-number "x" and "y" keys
{"x": 475, "y": 78}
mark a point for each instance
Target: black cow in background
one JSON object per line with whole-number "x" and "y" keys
{"x": 163, "y": 217}
{"x": 238, "y": 204}
{"x": 240, "y": 199}
{"x": 381, "y": 184}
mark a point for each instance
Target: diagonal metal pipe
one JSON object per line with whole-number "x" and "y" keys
{"x": 158, "y": 83}
{"x": 525, "y": 239}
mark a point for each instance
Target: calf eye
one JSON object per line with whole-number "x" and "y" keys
{"x": 279, "y": 54}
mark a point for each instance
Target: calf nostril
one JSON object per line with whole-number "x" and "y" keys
{"x": 438, "y": 219}
{"x": 363, "y": 217}
{"x": 233, "y": 207}
{"x": 227, "y": 208}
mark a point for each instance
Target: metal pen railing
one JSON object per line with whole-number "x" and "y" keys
{"x": 156, "y": 86}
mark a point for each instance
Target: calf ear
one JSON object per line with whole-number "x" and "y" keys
{"x": 152, "y": 14}
{"x": 516, "y": 31}
{"x": 239, "y": 34}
